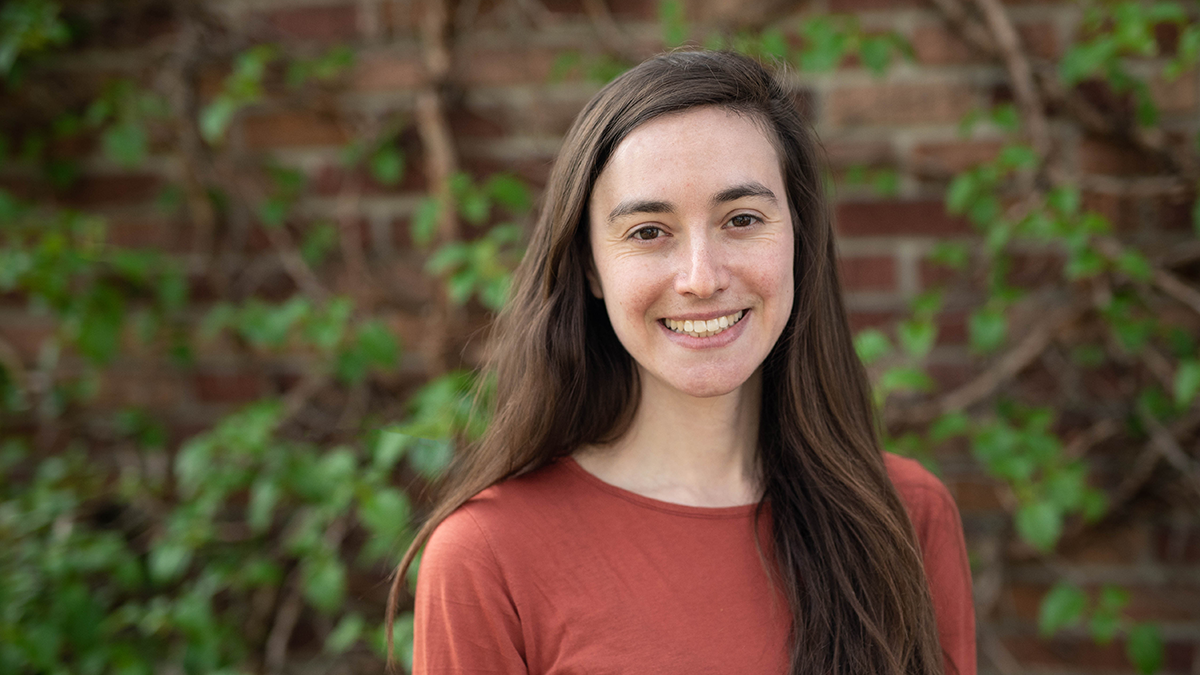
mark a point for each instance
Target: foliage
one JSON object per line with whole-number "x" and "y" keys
{"x": 124, "y": 548}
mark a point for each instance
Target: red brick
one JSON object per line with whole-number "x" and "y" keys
{"x": 868, "y": 273}
{"x": 975, "y": 495}
{"x": 1034, "y": 269}
{"x": 951, "y": 157}
{"x": 950, "y": 375}
{"x": 26, "y": 335}
{"x": 935, "y": 44}
{"x": 1174, "y": 603}
{"x": 1105, "y": 157}
{"x": 493, "y": 67}
{"x": 933, "y": 275}
{"x": 387, "y": 72}
{"x": 899, "y": 104}
{"x": 952, "y": 327}
{"x": 1122, "y": 544}
{"x": 321, "y": 23}
{"x": 843, "y": 154}
{"x": 228, "y": 387}
{"x": 636, "y": 9}
{"x": 1082, "y": 654}
{"x": 1040, "y": 39}
{"x": 852, "y": 6}
{"x": 295, "y": 128}
{"x": 121, "y": 388}
{"x": 400, "y": 17}
{"x": 1175, "y": 96}
{"x": 897, "y": 218}
{"x": 92, "y": 191}
{"x": 144, "y": 232}
{"x": 466, "y": 122}
{"x": 1175, "y": 546}
{"x": 861, "y": 320}
{"x": 1121, "y": 212}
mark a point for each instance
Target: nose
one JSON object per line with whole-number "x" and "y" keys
{"x": 703, "y": 271}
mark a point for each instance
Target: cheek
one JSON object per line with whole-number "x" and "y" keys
{"x": 630, "y": 290}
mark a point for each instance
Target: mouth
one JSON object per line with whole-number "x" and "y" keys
{"x": 704, "y": 328}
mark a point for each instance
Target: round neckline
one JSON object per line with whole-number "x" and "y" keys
{"x": 739, "y": 511}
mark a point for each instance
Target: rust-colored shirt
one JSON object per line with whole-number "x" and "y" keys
{"x": 559, "y": 572}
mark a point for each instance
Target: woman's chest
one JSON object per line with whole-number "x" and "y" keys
{"x": 646, "y": 600}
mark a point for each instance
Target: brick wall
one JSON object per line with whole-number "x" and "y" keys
{"x": 507, "y": 112}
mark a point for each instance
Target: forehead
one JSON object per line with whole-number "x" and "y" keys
{"x": 701, "y": 148}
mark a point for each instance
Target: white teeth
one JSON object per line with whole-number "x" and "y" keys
{"x": 704, "y": 328}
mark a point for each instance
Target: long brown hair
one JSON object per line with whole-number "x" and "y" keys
{"x": 843, "y": 548}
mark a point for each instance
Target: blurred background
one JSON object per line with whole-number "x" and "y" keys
{"x": 250, "y": 250}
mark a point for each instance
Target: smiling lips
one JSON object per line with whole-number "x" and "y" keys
{"x": 704, "y": 328}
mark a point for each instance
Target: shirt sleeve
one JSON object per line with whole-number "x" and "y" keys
{"x": 939, "y": 529}
{"x": 465, "y": 620}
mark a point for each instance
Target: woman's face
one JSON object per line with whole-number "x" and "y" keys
{"x": 692, "y": 247}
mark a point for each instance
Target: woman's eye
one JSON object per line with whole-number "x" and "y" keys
{"x": 647, "y": 233}
{"x": 743, "y": 220}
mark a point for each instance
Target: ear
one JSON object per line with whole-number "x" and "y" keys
{"x": 594, "y": 280}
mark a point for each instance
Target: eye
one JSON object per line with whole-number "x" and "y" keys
{"x": 647, "y": 233}
{"x": 744, "y": 220}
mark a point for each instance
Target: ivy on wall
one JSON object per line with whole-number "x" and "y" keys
{"x": 122, "y": 550}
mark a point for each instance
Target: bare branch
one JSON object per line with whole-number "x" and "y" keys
{"x": 1029, "y": 99}
{"x": 1024, "y": 353}
{"x": 1165, "y": 281}
{"x": 1168, "y": 448}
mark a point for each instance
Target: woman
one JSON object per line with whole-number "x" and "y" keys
{"x": 682, "y": 474}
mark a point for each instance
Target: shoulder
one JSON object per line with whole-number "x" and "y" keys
{"x": 929, "y": 503}
{"x": 491, "y": 520}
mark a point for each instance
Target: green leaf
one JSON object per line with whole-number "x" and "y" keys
{"x": 324, "y": 583}
{"x": 378, "y": 344}
{"x": 215, "y": 118}
{"x": 988, "y": 329}
{"x": 1094, "y": 505}
{"x": 876, "y": 53}
{"x": 387, "y": 165}
{"x": 674, "y": 26}
{"x": 961, "y": 193}
{"x": 917, "y": 337}
{"x": 1187, "y": 382}
{"x": 871, "y": 345}
{"x": 1061, "y": 608}
{"x": 318, "y": 242}
{"x": 905, "y": 379}
{"x": 100, "y": 327}
{"x": 1006, "y": 117}
{"x": 125, "y": 144}
{"x": 263, "y": 497}
{"x": 425, "y": 221}
{"x": 386, "y": 515}
{"x": 510, "y": 192}
{"x": 274, "y": 211}
{"x": 951, "y": 254}
{"x": 1040, "y": 524}
{"x": 389, "y": 448}
{"x": 1084, "y": 262}
{"x": 1064, "y": 200}
{"x": 949, "y": 425}
{"x": 1135, "y": 265}
{"x": 430, "y": 457}
{"x": 168, "y": 560}
{"x": 348, "y": 631}
{"x": 1144, "y": 647}
{"x": 1018, "y": 157}
{"x": 1106, "y": 620}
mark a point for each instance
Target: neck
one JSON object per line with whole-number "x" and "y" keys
{"x": 685, "y": 450}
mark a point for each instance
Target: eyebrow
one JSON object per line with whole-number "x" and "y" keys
{"x": 729, "y": 194}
